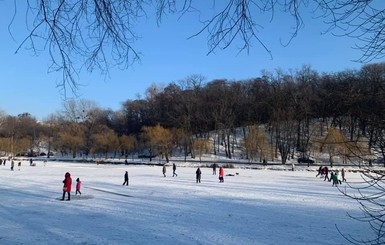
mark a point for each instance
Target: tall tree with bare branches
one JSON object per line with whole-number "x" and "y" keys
{"x": 101, "y": 34}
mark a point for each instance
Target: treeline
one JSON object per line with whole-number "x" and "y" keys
{"x": 277, "y": 115}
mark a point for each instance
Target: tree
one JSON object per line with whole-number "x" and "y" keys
{"x": 74, "y": 110}
{"x": 50, "y": 135}
{"x": 127, "y": 144}
{"x": 256, "y": 144}
{"x": 21, "y": 132}
{"x": 335, "y": 143}
{"x": 101, "y": 34}
{"x": 369, "y": 194}
{"x": 72, "y": 137}
{"x": 200, "y": 147}
{"x": 104, "y": 141}
{"x": 182, "y": 140}
{"x": 159, "y": 139}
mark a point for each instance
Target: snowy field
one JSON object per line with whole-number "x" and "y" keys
{"x": 254, "y": 207}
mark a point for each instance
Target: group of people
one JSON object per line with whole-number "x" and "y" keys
{"x": 3, "y": 161}
{"x": 198, "y": 172}
{"x": 67, "y": 182}
{"x": 12, "y": 160}
{"x": 13, "y": 165}
{"x": 67, "y": 186}
{"x": 335, "y": 178}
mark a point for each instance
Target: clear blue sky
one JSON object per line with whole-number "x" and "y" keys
{"x": 167, "y": 56}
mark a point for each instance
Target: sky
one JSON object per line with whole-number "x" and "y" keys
{"x": 167, "y": 55}
{"x": 255, "y": 207}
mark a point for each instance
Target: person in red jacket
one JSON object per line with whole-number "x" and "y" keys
{"x": 221, "y": 174}
{"x": 67, "y": 183}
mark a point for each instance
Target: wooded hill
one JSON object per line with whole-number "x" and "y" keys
{"x": 280, "y": 115}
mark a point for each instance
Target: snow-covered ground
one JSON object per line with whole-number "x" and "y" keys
{"x": 254, "y": 207}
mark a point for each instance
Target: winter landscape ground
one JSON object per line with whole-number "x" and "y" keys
{"x": 253, "y": 207}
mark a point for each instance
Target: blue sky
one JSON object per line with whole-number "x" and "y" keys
{"x": 167, "y": 55}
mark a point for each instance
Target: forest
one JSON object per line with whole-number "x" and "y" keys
{"x": 278, "y": 115}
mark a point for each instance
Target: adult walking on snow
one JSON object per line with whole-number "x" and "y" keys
{"x": 67, "y": 183}
{"x": 12, "y": 165}
{"x": 164, "y": 170}
{"x": 198, "y": 175}
{"x": 174, "y": 170}
{"x": 214, "y": 169}
{"x": 221, "y": 174}
{"x": 343, "y": 175}
{"x": 325, "y": 171}
{"x": 125, "y": 178}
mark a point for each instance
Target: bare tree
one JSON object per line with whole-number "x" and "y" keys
{"x": 101, "y": 33}
{"x": 369, "y": 193}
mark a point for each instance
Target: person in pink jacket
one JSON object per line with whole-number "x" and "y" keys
{"x": 78, "y": 186}
{"x": 67, "y": 183}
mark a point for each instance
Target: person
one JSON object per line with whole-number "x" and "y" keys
{"x": 325, "y": 171}
{"x": 125, "y": 178}
{"x": 164, "y": 170}
{"x": 333, "y": 178}
{"x": 19, "y": 165}
{"x": 319, "y": 171}
{"x": 5, "y": 160}
{"x": 214, "y": 169}
{"x": 338, "y": 179}
{"x": 198, "y": 175}
{"x": 343, "y": 174}
{"x": 173, "y": 170}
{"x": 67, "y": 183}
{"x": 30, "y": 162}
{"x": 221, "y": 174}
{"x": 12, "y": 165}
{"x": 78, "y": 186}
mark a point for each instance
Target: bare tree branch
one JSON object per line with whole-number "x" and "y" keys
{"x": 100, "y": 34}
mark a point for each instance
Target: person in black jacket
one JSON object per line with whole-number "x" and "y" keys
{"x": 198, "y": 175}
{"x": 125, "y": 178}
{"x": 174, "y": 170}
{"x": 214, "y": 169}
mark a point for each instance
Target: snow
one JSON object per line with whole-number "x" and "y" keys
{"x": 255, "y": 207}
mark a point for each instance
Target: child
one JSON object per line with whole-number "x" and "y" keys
{"x": 78, "y": 185}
